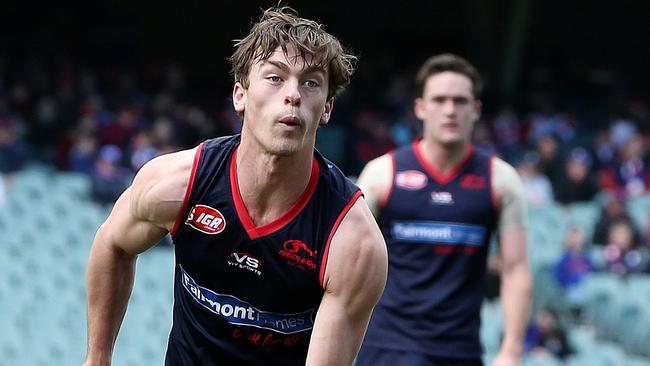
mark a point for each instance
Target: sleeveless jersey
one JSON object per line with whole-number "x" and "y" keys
{"x": 243, "y": 294}
{"x": 438, "y": 230}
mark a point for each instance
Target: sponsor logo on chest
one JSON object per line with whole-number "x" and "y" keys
{"x": 206, "y": 219}
{"x": 298, "y": 254}
{"x": 246, "y": 262}
{"x": 411, "y": 180}
{"x": 472, "y": 182}
{"x": 442, "y": 198}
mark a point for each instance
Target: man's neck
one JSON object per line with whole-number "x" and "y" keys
{"x": 443, "y": 158}
{"x": 271, "y": 184}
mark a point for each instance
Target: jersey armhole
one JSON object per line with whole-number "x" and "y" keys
{"x": 344, "y": 211}
{"x": 384, "y": 200}
{"x": 188, "y": 190}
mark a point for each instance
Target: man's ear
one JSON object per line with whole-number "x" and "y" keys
{"x": 327, "y": 112}
{"x": 418, "y": 108}
{"x": 239, "y": 97}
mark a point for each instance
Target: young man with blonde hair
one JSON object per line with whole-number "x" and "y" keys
{"x": 278, "y": 261}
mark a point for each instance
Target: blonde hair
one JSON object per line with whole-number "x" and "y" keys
{"x": 281, "y": 27}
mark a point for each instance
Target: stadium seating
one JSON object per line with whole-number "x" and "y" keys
{"x": 48, "y": 223}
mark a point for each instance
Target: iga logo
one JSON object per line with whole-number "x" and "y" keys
{"x": 245, "y": 261}
{"x": 412, "y": 180}
{"x": 206, "y": 219}
{"x": 299, "y": 254}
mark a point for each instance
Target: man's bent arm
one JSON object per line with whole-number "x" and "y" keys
{"x": 354, "y": 280}
{"x": 140, "y": 218}
{"x": 516, "y": 284}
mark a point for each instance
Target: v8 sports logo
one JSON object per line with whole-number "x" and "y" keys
{"x": 206, "y": 219}
{"x": 245, "y": 261}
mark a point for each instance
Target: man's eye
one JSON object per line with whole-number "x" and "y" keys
{"x": 311, "y": 84}
{"x": 274, "y": 79}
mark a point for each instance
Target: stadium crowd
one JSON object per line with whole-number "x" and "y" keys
{"x": 108, "y": 122}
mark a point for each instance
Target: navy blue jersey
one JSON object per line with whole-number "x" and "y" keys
{"x": 437, "y": 228}
{"x": 243, "y": 294}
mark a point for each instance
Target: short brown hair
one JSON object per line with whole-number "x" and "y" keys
{"x": 448, "y": 62}
{"x": 280, "y": 27}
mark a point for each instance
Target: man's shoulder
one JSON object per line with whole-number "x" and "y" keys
{"x": 159, "y": 188}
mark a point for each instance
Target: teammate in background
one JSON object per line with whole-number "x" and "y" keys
{"x": 278, "y": 261}
{"x": 437, "y": 202}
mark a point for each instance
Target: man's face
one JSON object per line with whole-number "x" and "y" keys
{"x": 447, "y": 108}
{"x": 284, "y": 103}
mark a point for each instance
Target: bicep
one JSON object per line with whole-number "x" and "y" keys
{"x": 124, "y": 230}
{"x": 354, "y": 280}
{"x": 511, "y": 199}
{"x": 512, "y": 214}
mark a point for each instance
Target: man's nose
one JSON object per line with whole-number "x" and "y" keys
{"x": 292, "y": 93}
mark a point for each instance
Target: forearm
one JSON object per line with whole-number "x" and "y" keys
{"x": 335, "y": 344}
{"x": 109, "y": 284}
{"x": 516, "y": 290}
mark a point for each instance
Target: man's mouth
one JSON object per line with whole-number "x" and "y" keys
{"x": 290, "y": 120}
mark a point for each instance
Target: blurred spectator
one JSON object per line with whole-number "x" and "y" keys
{"x": 483, "y": 140}
{"x": 613, "y": 211}
{"x": 576, "y": 184}
{"x": 13, "y": 151}
{"x": 551, "y": 161}
{"x": 622, "y": 254}
{"x": 109, "y": 179}
{"x": 545, "y": 336}
{"x": 573, "y": 267}
{"x": 507, "y": 131}
{"x": 603, "y": 147}
{"x": 628, "y": 174}
{"x": 621, "y": 131}
{"x": 141, "y": 150}
{"x": 82, "y": 154}
{"x": 120, "y": 131}
{"x": 547, "y": 120}
{"x": 537, "y": 187}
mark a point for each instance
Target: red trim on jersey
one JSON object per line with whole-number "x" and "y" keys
{"x": 433, "y": 172}
{"x": 188, "y": 190}
{"x": 493, "y": 194}
{"x": 326, "y": 250}
{"x": 255, "y": 232}
{"x": 384, "y": 200}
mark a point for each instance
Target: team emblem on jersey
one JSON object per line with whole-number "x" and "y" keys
{"x": 206, "y": 219}
{"x": 299, "y": 254}
{"x": 473, "y": 182}
{"x": 245, "y": 261}
{"x": 411, "y": 180}
{"x": 442, "y": 198}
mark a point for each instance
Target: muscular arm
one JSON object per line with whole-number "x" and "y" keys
{"x": 375, "y": 182}
{"x": 140, "y": 218}
{"x": 516, "y": 286}
{"x": 354, "y": 280}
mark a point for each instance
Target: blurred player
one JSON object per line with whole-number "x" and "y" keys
{"x": 278, "y": 261}
{"x": 437, "y": 202}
